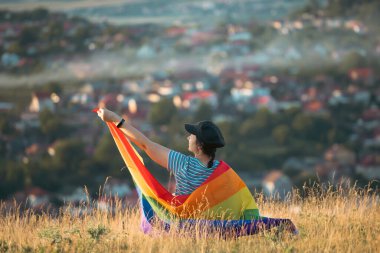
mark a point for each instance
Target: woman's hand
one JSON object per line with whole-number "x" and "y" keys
{"x": 108, "y": 116}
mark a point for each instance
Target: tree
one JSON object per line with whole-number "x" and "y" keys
{"x": 53, "y": 87}
{"x": 258, "y": 125}
{"x": 54, "y": 31}
{"x": 107, "y": 156}
{"x": 162, "y": 112}
{"x": 352, "y": 60}
{"x": 15, "y": 48}
{"x": 204, "y": 112}
{"x": 281, "y": 134}
{"x": 39, "y": 14}
{"x": 66, "y": 164}
{"x": 28, "y": 36}
{"x": 12, "y": 178}
{"x": 302, "y": 124}
{"x": 6, "y": 127}
{"x": 52, "y": 125}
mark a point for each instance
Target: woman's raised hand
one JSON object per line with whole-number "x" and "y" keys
{"x": 108, "y": 116}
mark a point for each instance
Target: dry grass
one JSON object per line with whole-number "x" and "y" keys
{"x": 328, "y": 221}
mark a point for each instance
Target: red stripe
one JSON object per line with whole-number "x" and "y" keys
{"x": 222, "y": 167}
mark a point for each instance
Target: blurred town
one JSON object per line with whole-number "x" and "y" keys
{"x": 297, "y": 99}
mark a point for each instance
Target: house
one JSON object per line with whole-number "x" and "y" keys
{"x": 6, "y": 106}
{"x": 339, "y": 162}
{"x": 146, "y": 52}
{"x": 364, "y": 75}
{"x": 338, "y": 97}
{"x": 10, "y": 60}
{"x": 28, "y": 120}
{"x": 199, "y": 38}
{"x": 369, "y": 167}
{"x": 293, "y": 164}
{"x": 77, "y": 196}
{"x": 41, "y": 101}
{"x": 190, "y": 75}
{"x": 340, "y": 155}
{"x": 37, "y": 198}
{"x": 240, "y": 39}
{"x": 175, "y": 31}
{"x": 371, "y": 114}
{"x": 243, "y": 73}
{"x": 265, "y": 101}
{"x": 111, "y": 101}
{"x": 85, "y": 96}
{"x": 288, "y": 104}
{"x": 314, "y": 106}
{"x": 276, "y": 184}
{"x": 192, "y": 100}
{"x": 362, "y": 96}
{"x": 356, "y": 26}
{"x": 135, "y": 107}
{"x": 116, "y": 188}
{"x": 35, "y": 150}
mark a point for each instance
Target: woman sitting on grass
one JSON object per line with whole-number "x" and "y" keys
{"x": 189, "y": 172}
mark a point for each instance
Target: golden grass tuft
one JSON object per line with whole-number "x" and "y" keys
{"x": 340, "y": 220}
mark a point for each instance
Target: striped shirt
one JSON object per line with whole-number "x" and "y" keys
{"x": 188, "y": 172}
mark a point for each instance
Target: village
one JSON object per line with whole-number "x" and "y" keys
{"x": 333, "y": 117}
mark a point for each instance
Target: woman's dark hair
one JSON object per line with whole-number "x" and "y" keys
{"x": 210, "y": 151}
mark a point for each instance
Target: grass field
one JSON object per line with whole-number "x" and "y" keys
{"x": 328, "y": 221}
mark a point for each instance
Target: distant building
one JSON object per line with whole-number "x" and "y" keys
{"x": 340, "y": 155}
{"x": 85, "y": 96}
{"x": 76, "y": 197}
{"x": 276, "y": 184}
{"x": 28, "y": 120}
{"x": 6, "y": 106}
{"x": 146, "y": 52}
{"x": 110, "y": 101}
{"x": 37, "y": 198}
{"x": 339, "y": 162}
{"x": 192, "y": 100}
{"x": 314, "y": 106}
{"x": 369, "y": 167}
{"x": 41, "y": 101}
{"x": 266, "y": 101}
{"x": 117, "y": 188}
{"x": 364, "y": 75}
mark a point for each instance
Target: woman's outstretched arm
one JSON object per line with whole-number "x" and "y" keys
{"x": 155, "y": 151}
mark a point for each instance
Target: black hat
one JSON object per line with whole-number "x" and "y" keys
{"x": 207, "y": 132}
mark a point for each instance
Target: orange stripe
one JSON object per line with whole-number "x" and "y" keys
{"x": 207, "y": 196}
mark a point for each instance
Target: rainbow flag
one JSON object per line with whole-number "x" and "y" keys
{"x": 222, "y": 203}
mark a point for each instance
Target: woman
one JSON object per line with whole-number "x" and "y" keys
{"x": 189, "y": 172}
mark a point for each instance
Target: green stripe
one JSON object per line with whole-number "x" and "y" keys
{"x": 230, "y": 210}
{"x": 159, "y": 210}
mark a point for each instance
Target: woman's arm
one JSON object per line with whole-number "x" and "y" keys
{"x": 155, "y": 151}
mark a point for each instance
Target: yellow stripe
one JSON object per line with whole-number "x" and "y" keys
{"x": 229, "y": 209}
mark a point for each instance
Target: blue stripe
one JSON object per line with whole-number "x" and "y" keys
{"x": 188, "y": 172}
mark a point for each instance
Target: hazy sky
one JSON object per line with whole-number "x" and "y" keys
{"x": 58, "y": 5}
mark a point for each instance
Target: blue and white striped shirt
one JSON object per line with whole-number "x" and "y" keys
{"x": 188, "y": 171}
